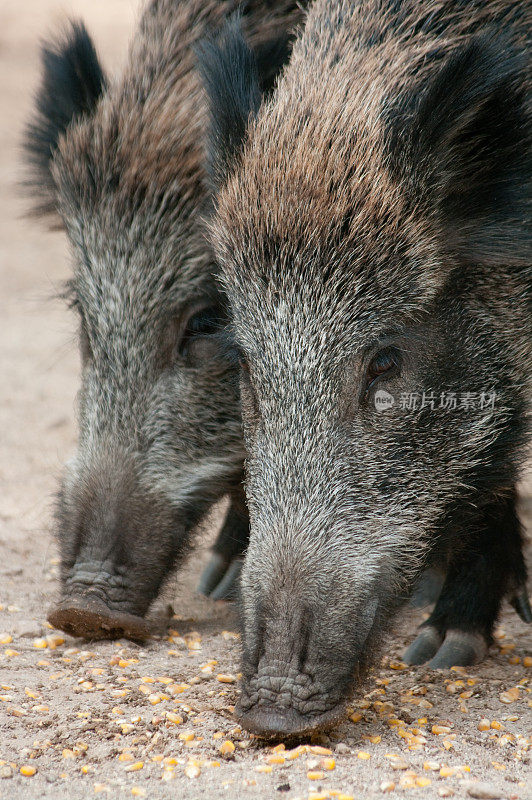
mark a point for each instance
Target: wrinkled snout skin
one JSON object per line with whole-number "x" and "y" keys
{"x": 371, "y": 235}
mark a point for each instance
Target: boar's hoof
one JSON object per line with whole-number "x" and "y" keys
{"x": 91, "y": 619}
{"x": 220, "y": 579}
{"x": 424, "y": 647}
{"x": 460, "y": 649}
{"x": 521, "y": 604}
{"x": 276, "y": 722}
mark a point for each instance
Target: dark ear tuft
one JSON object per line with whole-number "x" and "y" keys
{"x": 72, "y": 82}
{"x": 230, "y": 76}
{"x": 463, "y": 141}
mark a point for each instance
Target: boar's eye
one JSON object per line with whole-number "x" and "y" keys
{"x": 384, "y": 364}
{"x": 198, "y": 338}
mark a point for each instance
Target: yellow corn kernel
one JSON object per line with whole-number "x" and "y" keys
{"x": 440, "y": 729}
{"x": 135, "y": 767}
{"x": 5, "y": 638}
{"x": 327, "y": 763}
{"x": 136, "y": 791}
{"x": 27, "y": 771}
{"x": 222, "y": 678}
{"x": 186, "y": 737}
{"x": 315, "y": 775}
{"x": 484, "y": 724}
{"x": 275, "y": 758}
{"x": 363, "y": 755}
{"x": 263, "y": 768}
{"x": 447, "y": 772}
{"x": 227, "y": 748}
{"x": 510, "y": 696}
{"x": 318, "y": 750}
{"x": 192, "y": 771}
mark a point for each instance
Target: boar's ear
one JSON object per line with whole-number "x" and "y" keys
{"x": 231, "y": 79}
{"x": 464, "y": 142}
{"x": 72, "y": 82}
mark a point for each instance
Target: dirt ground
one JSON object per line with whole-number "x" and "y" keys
{"x": 78, "y": 719}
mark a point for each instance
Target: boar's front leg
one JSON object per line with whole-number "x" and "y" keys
{"x": 221, "y": 577}
{"x": 489, "y": 567}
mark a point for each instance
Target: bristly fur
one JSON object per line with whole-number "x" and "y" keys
{"x": 377, "y": 208}
{"x": 121, "y": 164}
{"x": 72, "y": 83}
{"x": 232, "y": 98}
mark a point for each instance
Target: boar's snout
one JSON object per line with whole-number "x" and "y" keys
{"x": 116, "y": 541}
{"x": 299, "y": 673}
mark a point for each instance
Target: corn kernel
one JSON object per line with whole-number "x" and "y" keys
{"x": 27, "y": 770}
{"x": 447, "y": 772}
{"x": 135, "y": 767}
{"x": 192, "y": 771}
{"x": 327, "y": 763}
{"x": 484, "y": 724}
{"x": 318, "y": 750}
{"x": 227, "y": 748}
{"x": 136, "y": 791}
{"x": 315, "y": 775}
{"x": 186, "y": 737}
{"x": 225, "y": 678}
{"x": 422, "y": 782}
{"x": 5, "y": 638}
{"x": 509, "y": 696}
{"x": 440, "y": 729}
{"x": 527, "y": 661}
{"x": 174, "y": 718}
{"x": 363, "y": 755}
{"x": 263, "y": 768}
{"x": 275, "y": 758}
{"x": 387, "y": 786}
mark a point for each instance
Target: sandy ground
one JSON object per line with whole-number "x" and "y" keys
{"x": 122, "y": 720}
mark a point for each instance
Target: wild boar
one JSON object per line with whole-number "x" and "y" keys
{"x": 371, "y": 228}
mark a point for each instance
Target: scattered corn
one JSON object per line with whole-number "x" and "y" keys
{"x": 27, "y": 770}
{"x": 315, "y": 775}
